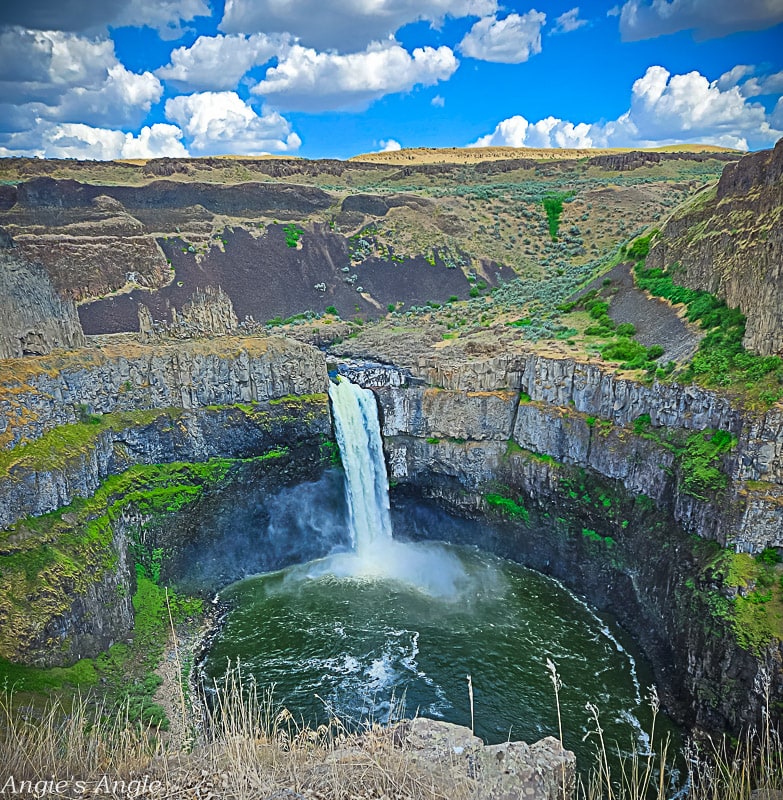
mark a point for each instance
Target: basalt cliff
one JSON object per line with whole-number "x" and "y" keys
{"x": 658, "y": 498}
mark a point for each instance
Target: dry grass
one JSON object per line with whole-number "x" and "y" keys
{"x": 244, "y": 746}
{"x": 711, "y": 769}
{"x": 471, "y": 155}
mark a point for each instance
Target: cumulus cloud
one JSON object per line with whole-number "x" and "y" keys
{"x": 776, "y": 118}
{"x": 390, "y": 145}
{"x": 123, "y": 97}
{"x": 438, "y": 101}
{"x": 510, "y": 40}
{"x": 734, "y": 76}
{"x": 343, "y": 25}
{"x": 664, "y": 109}
{"x": 516, "y": 131}
{"x": 219, "y": 62}
{"x": 221, "y": 122}
{"x": 754, "y": 86}
{"x": 91, "y": 16}
{"x": 763, "y": 85}
{"x": 307, "y": 80}
{"x": 72, "y": 79}
{"x": 69, "y": 140}
{"x": 646, "y": 19}
{"x": 569, "y": 21}
{"x": 43, "y": 65}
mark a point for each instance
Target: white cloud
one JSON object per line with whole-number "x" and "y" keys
{"x": 664, "y": 109}
{"x": 221, "y": 122}
{"x": 92, "y": 16}
{"x": 516, "y": 131}
{"x": 766, "y": 84}
{"x": 614, "y": 11}
{"x": 219, "y": 62}
{"x": 344, "y": 25}
{"x": 307, "y": 80}
{"x": 646, "y": 19}
{"x": 165, "y": 16}
{"x": 510, "y": 40}
{"x": 438, "y": 101}
{"x": 43, "y": 65}
{"x": 776, "y": 118}
{"x": 569, "y": 21}
{"x": 124, "y": 97}
{"x": 73, "y": 78}
{"x": 69, "y": 140}
{"x": 755, "y": 86}
{"x": 733, "y": 77}
{"x": 390, "y": 145}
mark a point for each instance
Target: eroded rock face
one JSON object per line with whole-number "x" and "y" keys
{"x": 124, "y": 378}
{"x": 449, "y": 756}
{"x": 730, "y": 242}
{"x": 210, "y": 312}
{"x": 173, "y": 435}
{"x": 34, "y": 320}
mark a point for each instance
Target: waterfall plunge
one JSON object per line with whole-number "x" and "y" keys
{"x": 376, "y": 555}
{"x": 359, "y": 439}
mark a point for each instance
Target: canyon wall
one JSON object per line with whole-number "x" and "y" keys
{"x": 593, "y": 478}
{"x": 729, "y": 241}
{"x": 39, "y": 394}
{"x": 35, "y": 319}
{"x": 584, "y": 415}
{"x": 87, "y": 477}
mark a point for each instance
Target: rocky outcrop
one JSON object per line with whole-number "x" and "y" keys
{"x": 729, "y": 241}
{"x": 584, "y": 415}
{"x": 453, "y": 759}
{"x": 246, "y": 197}
{"x": 210, "y": 312}
{"x": 33, "y": 486}
{"x": 34, "y": 320}
{"x": 51, "y": 392}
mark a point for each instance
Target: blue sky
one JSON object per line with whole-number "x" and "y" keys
{"x": 334, "y": 78}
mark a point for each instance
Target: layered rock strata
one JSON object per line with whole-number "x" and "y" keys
{"x": 35, "y": 320}
{"x": 40, "y": 394}
{"x": 729, "y": 241}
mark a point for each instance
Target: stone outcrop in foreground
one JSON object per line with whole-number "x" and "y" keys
{"x": 446, "y": 755}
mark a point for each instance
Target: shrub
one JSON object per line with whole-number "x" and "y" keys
{"x": 507, "y": 506}
{"x": 553, "y": 206}
{"x": 701, "y": 461}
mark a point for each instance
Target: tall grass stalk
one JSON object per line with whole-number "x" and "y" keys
{"x": 247, "y": 746}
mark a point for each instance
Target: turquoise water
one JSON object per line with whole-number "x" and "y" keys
{"x": 364, "y": 646}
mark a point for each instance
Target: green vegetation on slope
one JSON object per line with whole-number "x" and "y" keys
{"x": 721, "y": 359}
{"x": 749, "y": 594}
{"x": 553, "y": 206}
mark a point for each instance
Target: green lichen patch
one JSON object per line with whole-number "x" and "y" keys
{"x": 506, "y": 507}
{"x": 747, "y": 593}
{"x": 46, "y": 561}
{"x": 61, "y": 444}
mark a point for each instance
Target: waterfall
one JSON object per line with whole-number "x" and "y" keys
{"x": 376, "y": 555}
{"x": 366, "y": 488}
